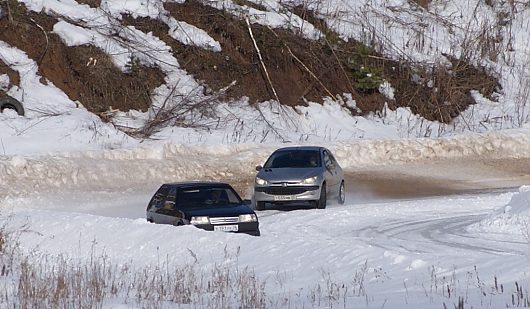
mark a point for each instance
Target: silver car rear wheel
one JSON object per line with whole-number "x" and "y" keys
{"x": 342, "y": 193}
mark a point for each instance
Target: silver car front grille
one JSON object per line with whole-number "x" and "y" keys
{"x": 224, "y": 220}
{"x": 288, "y": 190}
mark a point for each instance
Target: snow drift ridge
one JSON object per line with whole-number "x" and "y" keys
{"x": 98, "y": 170}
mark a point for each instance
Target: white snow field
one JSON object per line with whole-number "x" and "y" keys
{"x": 437, "y": 216}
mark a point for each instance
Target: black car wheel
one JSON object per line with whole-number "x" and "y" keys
{"x": 11, "y": 103}
{"x": 321, "y": 203}
{"x": 342, "y": 193}
{"x": 260, "y": 205}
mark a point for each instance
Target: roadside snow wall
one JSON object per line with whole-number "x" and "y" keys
{"x": 114, "y": 169}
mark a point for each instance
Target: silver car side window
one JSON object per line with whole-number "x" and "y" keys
{"x": 327, "y": 159}
{"x": 333, "y": 160}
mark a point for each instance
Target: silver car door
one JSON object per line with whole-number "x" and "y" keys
{"x": 339, "y": 173}
{"x": 331, "y": 173}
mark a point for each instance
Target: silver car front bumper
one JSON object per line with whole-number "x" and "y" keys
{"x": 280, "y": 194}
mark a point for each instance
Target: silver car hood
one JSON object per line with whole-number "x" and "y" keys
{"x": 288, "y": 174}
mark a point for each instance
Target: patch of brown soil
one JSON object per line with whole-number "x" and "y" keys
{"x": 253, "y": 5}
{"x": 443, "y": 93}
{"x": 98, "y": 84}
{"x": 14, "y": 77}
{"x": 423, "y": 3}
{"x": 91, "y": 3}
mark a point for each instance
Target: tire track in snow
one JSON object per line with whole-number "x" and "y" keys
{"x": 435, "y": 235}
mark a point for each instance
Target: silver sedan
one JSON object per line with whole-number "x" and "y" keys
{"x": 299, "y": 175}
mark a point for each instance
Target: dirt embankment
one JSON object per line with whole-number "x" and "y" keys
{"x": 304, "y": 70}
{"x": 98, "y": 85}
{"x": 300, "y": 70}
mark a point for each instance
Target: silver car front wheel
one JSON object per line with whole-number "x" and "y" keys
{"x": 321, "y": 202}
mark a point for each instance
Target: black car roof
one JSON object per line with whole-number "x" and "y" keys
{"x": 299, "y": 148}
{"x": 198, "y": 184}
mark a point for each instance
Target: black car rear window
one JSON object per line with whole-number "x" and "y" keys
{"x": 294, "y": 158}
{"x": 196, "y": 197}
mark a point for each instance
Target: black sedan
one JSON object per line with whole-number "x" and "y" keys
{"x": 211, "y": 206}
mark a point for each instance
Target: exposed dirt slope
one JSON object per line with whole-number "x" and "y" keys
{"x": 300, "y": 70}
{"x": 97, "y": 87}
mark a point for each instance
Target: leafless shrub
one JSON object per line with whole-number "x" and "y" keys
{"x": 522, "y": 99}
{"x": 62, "y": 286}
{"x": 56, "y": 282}
{"x": 59, "y": 282}
{"x": 358, "y": 282}
{"x": 520, "y": 298}
{"x": 332, "y": 293}
{"x": 8, "y": 247}
{"x": 189, "y": 110}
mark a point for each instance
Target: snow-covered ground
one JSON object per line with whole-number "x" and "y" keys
{"x": 375, "y": 251}
{"x": 422, "y": 252}
{"x": 75, "y": 189}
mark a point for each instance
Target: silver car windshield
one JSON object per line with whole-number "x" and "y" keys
{"x": 294, "y": 159}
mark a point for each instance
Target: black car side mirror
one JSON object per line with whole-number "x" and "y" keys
{"x": 247, "y": 202}
{"x": 258, "y": 168}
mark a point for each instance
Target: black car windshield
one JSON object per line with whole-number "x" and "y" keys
{"x": 294, "y": 158}
{"x": 197, "y": 197}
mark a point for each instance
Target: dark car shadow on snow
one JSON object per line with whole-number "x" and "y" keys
{"x": 286, "y": 207}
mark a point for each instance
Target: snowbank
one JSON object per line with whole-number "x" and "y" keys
{"x": 154, "y": 163}
{"x": 513, "y": 218}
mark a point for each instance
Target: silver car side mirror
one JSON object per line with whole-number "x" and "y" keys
{"x": 258, "y": 168}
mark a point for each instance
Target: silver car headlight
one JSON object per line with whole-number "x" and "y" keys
{"x": 248, "y": 218}
{"x": 261, "y": 182}
{"x": 310, "y": 180}
{"x": 200, "y": 220}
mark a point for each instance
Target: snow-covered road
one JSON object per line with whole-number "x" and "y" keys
{"x": 400, "y": 241}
